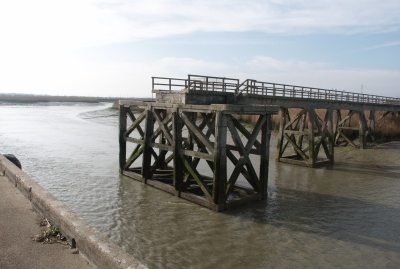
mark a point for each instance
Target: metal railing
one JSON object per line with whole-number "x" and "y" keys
{"x": 267, "y": 89}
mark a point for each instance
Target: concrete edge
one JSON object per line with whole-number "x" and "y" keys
{"x": 96, "y": 247}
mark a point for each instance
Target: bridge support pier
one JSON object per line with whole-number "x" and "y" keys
{"x": 201, "y": 153}
{"x": 306, "y": 137}
{"x": 353, "y": 129}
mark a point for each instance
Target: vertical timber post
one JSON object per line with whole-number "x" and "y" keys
{"x": 122, "y": 141}
{"x": 149, "y": 128}
{"x": 331, "y": 135}
{"x": 282, "y": 123}
{"x": 371, "y": 125}
{"x": 311, "y": 142}
{"x": 264, "y": 159}
{"x": 162, "y": 139}
{"x": 362, "y": 129}
{"x": 220, "y": 173}
{"x": 178, "y": 163}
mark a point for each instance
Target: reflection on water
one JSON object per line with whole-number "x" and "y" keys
{"x": 345, "y": 216}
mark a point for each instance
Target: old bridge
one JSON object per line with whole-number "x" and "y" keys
{"x": 189, "y": 141}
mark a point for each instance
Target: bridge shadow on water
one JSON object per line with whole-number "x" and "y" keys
{"x": 390, "y": 171}
{"x": 340, "y": 218}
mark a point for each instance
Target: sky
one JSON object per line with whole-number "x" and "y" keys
{"x": 113, "y": 48}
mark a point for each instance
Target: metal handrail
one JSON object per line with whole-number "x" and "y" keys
{"x": 269, "y": 89}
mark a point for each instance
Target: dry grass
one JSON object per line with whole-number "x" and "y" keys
{"x": 386, "y": 128}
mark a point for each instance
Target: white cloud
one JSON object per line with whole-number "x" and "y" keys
{"x": 76, "y": 23}
{"x": 38, "y": 37}
{"x": 384, "y": 45}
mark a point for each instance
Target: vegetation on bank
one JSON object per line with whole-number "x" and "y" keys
{"x": 51, "y": 234}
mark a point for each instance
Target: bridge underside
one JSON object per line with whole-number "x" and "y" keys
{"x": 308, "y": 129}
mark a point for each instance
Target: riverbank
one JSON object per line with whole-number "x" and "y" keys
{"x": 18, "y": 224}
{"x": 95, "y": 247}
{"x": 30, "y": 98}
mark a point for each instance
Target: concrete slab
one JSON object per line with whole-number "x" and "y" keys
{"x": 18, "y": 224}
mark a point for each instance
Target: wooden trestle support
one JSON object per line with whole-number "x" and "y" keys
{"x": 352, "y": 126}
{"x": 201, "y": 153}
{"x": 305, "y": 138}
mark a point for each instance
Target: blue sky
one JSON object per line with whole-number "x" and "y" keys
{"x": 112, "y": 48}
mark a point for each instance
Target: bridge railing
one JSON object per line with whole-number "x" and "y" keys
{"x": 268, "y": 89}
{"x": 253, "y": 87}
{"x": 207, "y": 83}
{"x": 168, "y": 84}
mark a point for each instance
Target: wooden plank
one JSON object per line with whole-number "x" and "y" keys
{"x": 136, "y": 123}
{"x": 234, "y": 148}
{"x": 297, "y": 132}
{"x": 133, "y": 175}
{"x": 295, "y": 120}
{"x": 177, "y": 157}
{"x": 162, "y": 146}
{"x": 244, "y": 131}
{"x": 310, "y": 125}
{"x": 196, "y": 176}
{"x": 331, "y": 135}
{"x": 135, "y": 140}
{"x": 235, "y": 135}
{"x": 197, "y": 133}
{"x": 133, "y": 119}
{"x": 147, "y": 153}
{"x": 363, "y": 129}
{"x": 302, "y": 129}
{"x": 198, "y": 155}
{"x": 341, "y": 134}
{"x": 134, "y": 156}
{"x": 282, "y": 122}
{"x": 264, "y": 159}
{"x": 296, "y": 148}
{"x": 162, "y": 126}
{"x": 220, "y": 161}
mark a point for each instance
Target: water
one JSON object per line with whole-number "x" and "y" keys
{"x": 347, "y": 216}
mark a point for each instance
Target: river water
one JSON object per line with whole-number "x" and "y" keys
{"x": 347, "y": 216}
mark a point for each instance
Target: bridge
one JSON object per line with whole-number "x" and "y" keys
{"x": 191, "y": 143}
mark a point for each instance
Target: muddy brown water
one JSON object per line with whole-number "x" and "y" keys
{"x": 346, "y": 216}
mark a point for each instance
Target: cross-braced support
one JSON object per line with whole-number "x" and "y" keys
{"x": 306, "y": 137}
{"x": 200, "y": 153}
{"x": 354, "y": 129}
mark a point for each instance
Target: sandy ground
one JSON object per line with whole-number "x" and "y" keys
{"x": 18, "y": 224}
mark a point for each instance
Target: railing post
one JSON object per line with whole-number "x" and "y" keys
{"x": 273, "y": 89}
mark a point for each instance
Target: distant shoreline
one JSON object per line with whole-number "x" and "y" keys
{"x": 30, "y": 98}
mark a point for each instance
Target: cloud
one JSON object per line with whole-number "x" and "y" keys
{"x": 322, "y": 75}
{"x": 384, "y": 45}
{"x": 77, "y": 23}
{"x": 39, "y": 40}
